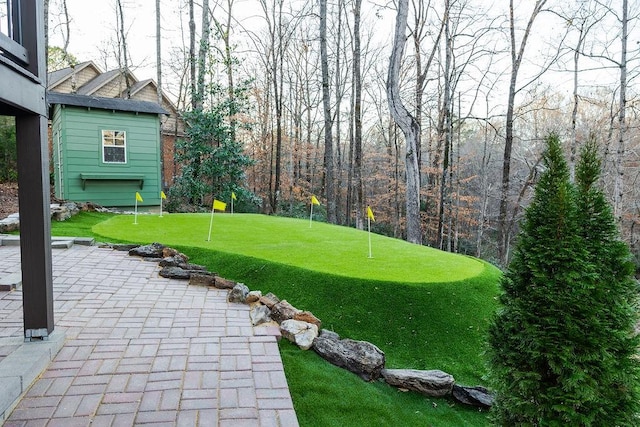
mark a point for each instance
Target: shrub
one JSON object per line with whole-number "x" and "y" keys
{"x": 561, "y": 345}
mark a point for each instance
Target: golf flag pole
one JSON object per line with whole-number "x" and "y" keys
{"x": 314, "y": 201}
{"x": 233, "y": 197}
{"x": 217, "y": 205}
{"x": 162, "y": 197}
{"x": 210, "y": 225}
{"x": 135, "y": 209}
{"x": 370, "y": 217}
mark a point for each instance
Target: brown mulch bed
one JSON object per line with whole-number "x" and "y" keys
{"x": 8, "y": 199}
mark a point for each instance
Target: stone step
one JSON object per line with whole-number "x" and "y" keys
{"x": 57, "y": 242}
{"x": 10, "y": 282}
{"x": 61, "y": 244}
{"x": 11, "y": 240}
{"x": 84, "y": 241}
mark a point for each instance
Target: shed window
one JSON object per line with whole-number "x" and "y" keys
{"x": 114, "y": 144}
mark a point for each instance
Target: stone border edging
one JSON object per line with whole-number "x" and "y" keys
{"x": 305, "y": 330}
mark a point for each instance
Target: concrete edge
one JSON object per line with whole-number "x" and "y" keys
{"x": 20, "y": 369}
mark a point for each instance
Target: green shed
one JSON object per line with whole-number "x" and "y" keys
{"x": 104, "y": 150}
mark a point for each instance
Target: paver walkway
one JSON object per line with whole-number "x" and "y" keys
{"x": 145, "y": 350}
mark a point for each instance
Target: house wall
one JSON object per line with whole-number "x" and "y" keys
{"x": 81, "y": 78}
{"x": 81, "y": 136}
{"x": 147, "y": 93}
{"x": 113, "y": 88}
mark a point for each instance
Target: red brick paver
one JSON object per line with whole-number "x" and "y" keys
{"x": 144, "y": 350}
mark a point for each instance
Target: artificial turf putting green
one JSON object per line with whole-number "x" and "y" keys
{"x": 323, "y": 247}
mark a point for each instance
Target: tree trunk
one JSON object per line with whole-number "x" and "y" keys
{"x": 192, "y": 55}
{"x": 228, "y": 63}
{"x": 203, "y": 50}
{"x": 357, "y": 155}
{"x": 444, "y": 133}
{"x": 504, "y": 225}
{"x": 618, "y": 190}
{"x": 408, "y": 124}
{"x": 123, "y": 60}
{"x": 576, "y": 99}
{"x": 159, "y": 87}
{"x": 328, "y": 138}
{"x": 158, "y": 53}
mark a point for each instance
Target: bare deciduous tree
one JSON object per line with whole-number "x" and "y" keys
{"x": 517, "y": 54}
{"x": 407, "y": 123}
{"x": 328, "y": 121}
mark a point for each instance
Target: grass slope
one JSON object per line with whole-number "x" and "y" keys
{"x": 433, "y": 324}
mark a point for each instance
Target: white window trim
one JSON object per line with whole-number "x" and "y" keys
{"x": 124, "y": 147}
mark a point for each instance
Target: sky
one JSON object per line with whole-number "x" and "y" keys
{"x": 93, "y": 26}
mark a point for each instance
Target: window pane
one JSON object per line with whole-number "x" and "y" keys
{"x": 114, "y": 154}
{"x": 113, "y": 146}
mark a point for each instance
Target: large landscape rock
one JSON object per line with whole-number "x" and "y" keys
{"x": 307, "y": 316}
{"x": 222, "y": 283}
{"x": 474, "y": 396}
{"x": 124, "y": 247}
{"x": 192, "y": 267}
{"x": 172, "y": 261}
{"x": 269, "y": 300}
{"x": 283, "y": 311}
{"x": 433, "y": 383}
{"x": 253, "y": 296}
{"x": 170, "y": 252}
{"x": 200, "y": 279}
{"x": 154, "y": 250}
{"x": 175, "y": 273}
{"x": 238, "y": 293}
{"x": 10, "y": 223}
{"x": 260, "y": 314}
{"x": 301, "y": 333}
{"x": 360, "y": 357}
{"x": 325, "y": 333}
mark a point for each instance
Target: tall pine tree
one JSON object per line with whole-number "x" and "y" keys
{"x": 549, "y": 352}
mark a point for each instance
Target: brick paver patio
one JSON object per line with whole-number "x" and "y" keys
{"x": 144, "y": 350}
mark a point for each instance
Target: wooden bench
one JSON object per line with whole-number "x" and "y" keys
{"x": 84, "y": 177}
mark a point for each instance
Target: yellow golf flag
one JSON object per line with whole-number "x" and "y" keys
{"x": 138, "y": 197}
{"x": 314, "y": 201}
{"x": 233, "y": 196}
{"x": 218, "y": 205}
{"x": 370, "y": 214}
{"x": 162, "y": 195}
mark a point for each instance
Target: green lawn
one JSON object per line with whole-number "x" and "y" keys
{"x": 322, "y": 247}
{"x": 424, "y": 308}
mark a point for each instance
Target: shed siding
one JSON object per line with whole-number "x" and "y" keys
{"x": 56, "y": 151}
{"x": 82, "y": 153}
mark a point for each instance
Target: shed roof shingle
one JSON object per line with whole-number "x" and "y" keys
{"x": 105, "y": 103}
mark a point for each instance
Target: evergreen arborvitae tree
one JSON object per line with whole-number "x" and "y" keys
{"x": 614, "y": 300}
{"x": 547, "y": 349}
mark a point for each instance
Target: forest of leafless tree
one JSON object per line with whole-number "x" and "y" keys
{"x": 432, "y": 112}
